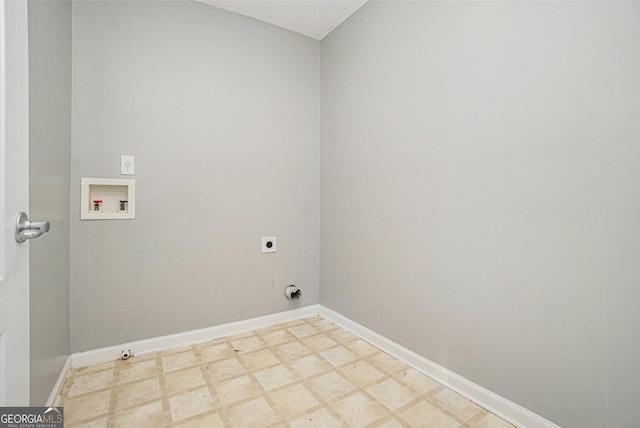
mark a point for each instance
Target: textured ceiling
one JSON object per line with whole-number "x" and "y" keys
{"x": 312, "y": 18}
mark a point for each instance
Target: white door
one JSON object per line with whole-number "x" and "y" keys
{"x": 14, "y": 197}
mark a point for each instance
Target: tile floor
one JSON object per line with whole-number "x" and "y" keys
{"x": 305, "y": 373}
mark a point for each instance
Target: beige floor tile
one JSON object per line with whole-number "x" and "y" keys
{"x": 275, "y": 377}
{"x": 257, "y": 360}
{"x": 456, "y": 404}
{"x": 240, "y": 335}
{"x": 190, "y": 404}
{"x": 359, "y": 410}
{"x": 174, "y": 350}
{"x": 331, "y": 385}
{"x": 137, "y": 393}
{"x": 341, "y": 335}
{"x": 256, "y": 413}
{"x": 320, "y": 418}
{"x": 362, "y": 348}
{"x": 247, "y": 344}
{"x": 68, "y": 383}
{"x": 237, "y": 389}
{"x": 292, "y": 350}
{"x": 208, "y": 342}
{"x": 147, "y": 416}
{"x": 182, "y": 380}
{"x": 86, "y": 406}
{"x": 361, "y": 373}
{"x": 303, "y": 330}
{"x": 138, "y": 371}
{"x": 387, "y": 363}
{"x": 321, "y": 323}
{"x": 425, "y": 415}
{"x": 268, "y": 329}
{"x": 417, "y": 381}
{"x": 179, "y": 361}
{"x": 215, "y": 352}
{"x": 391, "y": 423}
{"x": 137, "y": 359}
{"x": 98, "y": 423}
{"x": 277, "y": 337}
{"x": 338, "y": 356}
{"x": 206, "y": 421}
{"x": 392, "y": 394}
{"x": 225, "y": 369}
{"x": 93, "y": 369}
{"x": 292, "y": 323}
{"x": 293, "y": 400}
{"x": 319, "y": 342}
{"x": 492, "y": 421}
{"x": 309, "y": 365}
{"x": 90, "y": 382}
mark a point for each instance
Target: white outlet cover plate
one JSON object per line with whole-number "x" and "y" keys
{"x": 265, "y": 248}
{"x": 127, "y": 165}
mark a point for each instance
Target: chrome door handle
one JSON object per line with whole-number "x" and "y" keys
{"x": 26, "y": 229}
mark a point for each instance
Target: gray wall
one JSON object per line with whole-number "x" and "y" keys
{"x": 49, "y": 179}
{"x": 222, "y": 113}
{"x": 479, "y": 186}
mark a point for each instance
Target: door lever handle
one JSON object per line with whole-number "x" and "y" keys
{"x": 26, "y": 229}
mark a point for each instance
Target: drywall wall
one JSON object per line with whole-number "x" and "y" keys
{"x": 479, "y": 194}
{"x": 222, "y": 114}
{"x": 49, "y": 180}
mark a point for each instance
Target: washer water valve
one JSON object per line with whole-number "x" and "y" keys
{"x": 292, "y": 292}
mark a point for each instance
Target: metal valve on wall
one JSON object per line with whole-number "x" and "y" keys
{"x": 292, "y": 292}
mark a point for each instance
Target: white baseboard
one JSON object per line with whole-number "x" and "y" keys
{"x": 491, "y": 401}
{"x": 54, "y": 397}
{"x": 141, "y": 347}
